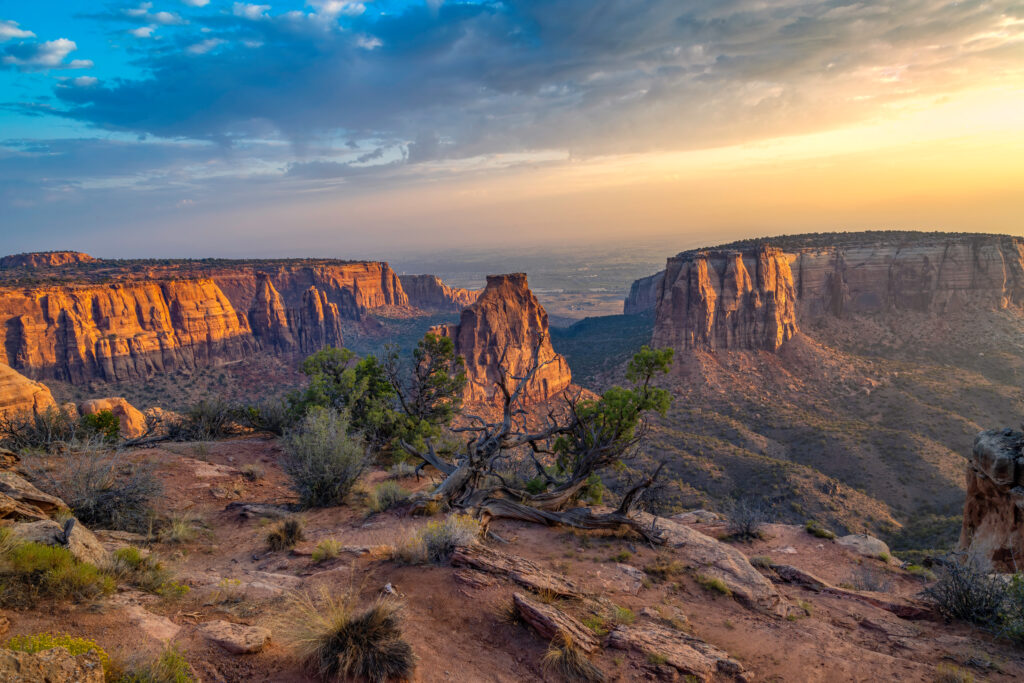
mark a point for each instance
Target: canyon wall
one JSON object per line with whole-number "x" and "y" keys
{"x": 45, "y": 259}
{"x": 643, "y": 294}
{"x": 143, "y": 323}
{"x": 428, "y": 293}
{"x": 758, "y": 296}
{"x": 993, "y": 527}
{"x": 19, "y": 395}
{"x": 507, "y": 319}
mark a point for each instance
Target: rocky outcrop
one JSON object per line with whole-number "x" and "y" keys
{"x": 237, "y": 639}
{"x": 136, "y": 326}
{"x": 56, "y": 665}
{"x": 45, "y": 259}
{"x": 131, "y": 419}
{"x": 993, "y": 527}
{"x": 428, "y": 293}
{"x": 499, "y": 332}
{"x": 727, "y": 300}
{"x": 757, "y": 295}
{"x": 81, "y": 542}
{"x": 20, "y": 395}
{"x": 643, "y": 295}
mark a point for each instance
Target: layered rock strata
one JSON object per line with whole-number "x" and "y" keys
{"x": 757, "y": 296}
{"x": 19, "y": 395}
{"x": 498, "y": 334}
{"x": 428, "y": 293}
{"x": 993, "y": 527}
{"x": 45, "y": 259}
{"x": 146, "y": 323}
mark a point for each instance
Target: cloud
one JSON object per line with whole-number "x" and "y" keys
{"x": 143, "y": 31}
{"x": 196, "y": 3}
{"x": 84, "y": 81}
{"x": 142, "y": 14}
{"x": 33, "y": 56}
{"x": 204, "y": 46}
{"x": 251, "y": 12}
{"x": 334, "y": 8}
{"x": 9, "y": 30}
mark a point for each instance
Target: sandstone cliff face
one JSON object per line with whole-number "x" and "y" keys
{"x": 643, "y": 294}
{"x": 134, "y": 327}
{"x": 727, "y": 300}
{"x": 428, "y": 293}
{"x": 993, "y": 527}
{"x": 756, "y": 298}
{"x": 46, "y": 259}
{"x": 507, "y": 318}
{"x": 19, "y": 394}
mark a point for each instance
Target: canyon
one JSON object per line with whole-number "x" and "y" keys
{"x": 428, "y": 293}
{"x": 126, "y": 320}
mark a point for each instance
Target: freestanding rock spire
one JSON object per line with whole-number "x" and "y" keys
{"x": 507, "y": 319}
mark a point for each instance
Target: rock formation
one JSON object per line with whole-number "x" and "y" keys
{"x": 507, "y": 319}
{"x": 132, "y": 420}
{"x": 428, "y": 293}
{"x": 727, "y": 300}
{"x": 757, "y": 294}
{"x": 45, "y": 259}
{"x": 127, "y": 322}
{"x": 20, "y": 395}
{"x": 643, "y": 294}
{"x": 993, "y": 527}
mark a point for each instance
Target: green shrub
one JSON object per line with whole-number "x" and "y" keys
{"x": 170, "y": 667}
{"x": 387, "y": 495}
{"x": 285, "y": 534}
{"x": 814, "y": 528}
{"x": 207, "y": 420}
{"x": 323, "y": 460}
{"x": 33, "y": 571}
{"x": 104, "y": 424}
{"x": 761, "y": 561}
{"x": 337, "y": 641}
{"x": 178, "y": 529}
{"x": 274, "y": 416}
{"x": 436, "y": 541}
{"x": 39, "y": 642}
{"x": 144, "y": 571}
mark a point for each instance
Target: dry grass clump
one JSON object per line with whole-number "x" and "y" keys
{"x": 144, "y": 571}
{"x": 815, "y": 528}
{"x": 436, "y": 541}
{"x": 335, "y": 640}
{"x": 565, "y": 659}
{"x": 178, "y": 529}
{"x": 387, "y": 495}
{"x": 714, "y": 584}
{"x": 947, "y": 673}
{"x": 327, "y": 549}
{"x": 32, "y": 571}
{"x": 285, "y": 534}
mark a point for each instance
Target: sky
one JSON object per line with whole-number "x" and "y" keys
{"x": 368, "y": 129}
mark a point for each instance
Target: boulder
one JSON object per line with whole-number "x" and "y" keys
{"x": 865, "y": 545}
{"x": 21, "y": 396}
{"x": 153, "y": 625}
{"x": 21, "y": 490}
{"x": 133, "y": 422}
{"x": 717, "y": 560}
{"x": 235, "y": 638}
{"x": 56, "y": 665}
{"x": 82, "y": 543}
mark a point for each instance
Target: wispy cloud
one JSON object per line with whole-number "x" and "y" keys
{"x": 38, "y": 56}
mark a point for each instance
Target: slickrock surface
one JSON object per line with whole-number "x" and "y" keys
{"x": 427, "y": 292}
{"x": 19, "y": 394}
{"x": 993, "y": 511}
{"x": 756, "y": 295}
{"x": 130, "y": 322}
{"x": 507, "y": 319}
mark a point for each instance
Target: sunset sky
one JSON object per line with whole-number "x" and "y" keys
{"x": 355, "y": 129}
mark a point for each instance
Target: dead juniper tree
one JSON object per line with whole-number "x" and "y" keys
{"x": 577, "y": 442}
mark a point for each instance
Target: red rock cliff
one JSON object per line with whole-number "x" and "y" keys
{"x": 507, "y": 316}
{"x": 19, "y": 394}
{"x": 140, "y": 324}
{"x": 45, "y": 259}
{"x": 993, "y": 527}
{"x": 757, "y": 297}
{"x": 428, "y": 293}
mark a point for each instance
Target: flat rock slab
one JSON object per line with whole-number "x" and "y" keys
{"x": 21, "y": 490}
{"x": 788, "y": 574}
{"x": 549, "y": 621}
{"x": 82, "y": 543}
{"x": 690, "y": 656}
{"x": 235, "y": 638}
{"x": 153, "y": 625}
{"x": 717, "y": 560}
{"x": 865, "y": 545}
{"x": 518, "y": 569}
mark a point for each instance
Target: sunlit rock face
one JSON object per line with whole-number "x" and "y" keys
{"x": 502, "y": 329}
{"x": 21, "y": 396}
{"x": 45, "y": 259}
{"x": 160, "y": 319}
{"x": 993, "y": 528}
{"x": 429, "y": 293}
{"x": 759, "y": 297}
